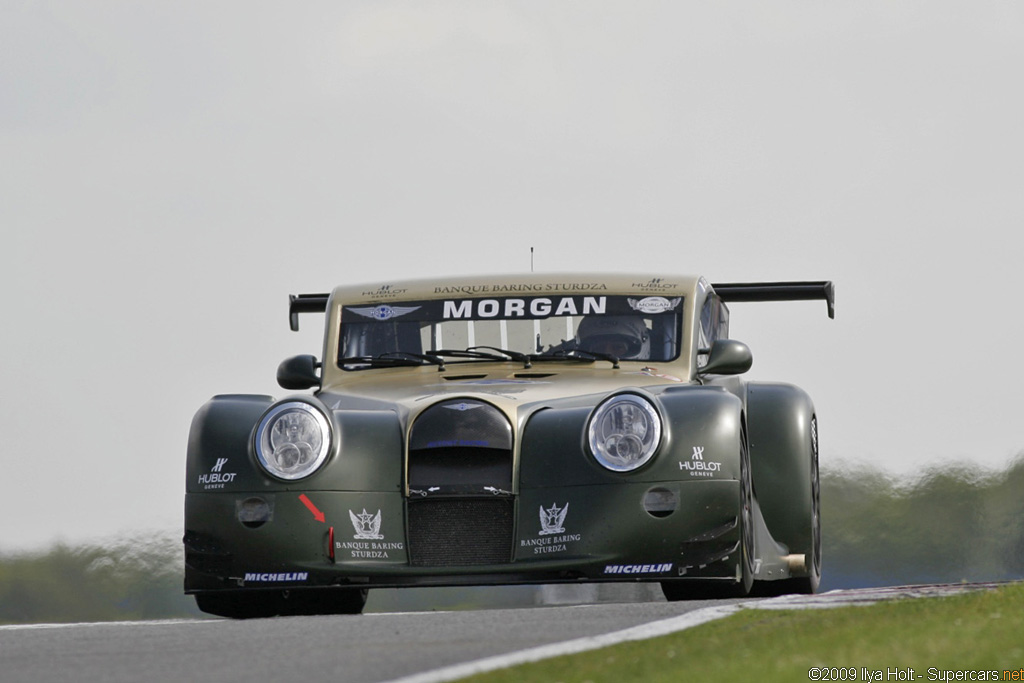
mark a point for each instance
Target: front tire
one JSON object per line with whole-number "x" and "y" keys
{"x": 805, "y": 584}
{"x": 810, "y": 583}
{"x": 262, "y": 604}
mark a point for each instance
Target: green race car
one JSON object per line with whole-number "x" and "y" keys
{"x": 529, "y": 429}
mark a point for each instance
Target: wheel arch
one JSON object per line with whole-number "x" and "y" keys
{"x": 779, "y": 422}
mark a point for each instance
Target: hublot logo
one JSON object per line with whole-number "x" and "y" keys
{"x": 655, "y": 285}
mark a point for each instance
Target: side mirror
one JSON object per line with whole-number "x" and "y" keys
{"x": 298, "y": 372}
{"x": 727, "y": 357}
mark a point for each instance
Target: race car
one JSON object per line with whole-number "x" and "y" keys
{"x": 526, "y": 429}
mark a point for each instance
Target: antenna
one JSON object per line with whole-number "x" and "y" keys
{"x": 531, "y": 259}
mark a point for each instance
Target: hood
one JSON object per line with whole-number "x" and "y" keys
{"x": 505, "y": 386}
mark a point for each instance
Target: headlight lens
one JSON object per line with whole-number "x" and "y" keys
{"x": 292, "y": 440}
{"x": 624, "y": 432}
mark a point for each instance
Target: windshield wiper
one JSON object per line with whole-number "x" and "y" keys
{"x": 583, "y": 355}
{"x": 391, "y": 359}
{"x": 482, "y": 353}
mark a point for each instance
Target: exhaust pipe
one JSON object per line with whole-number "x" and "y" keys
{"x": 797, "y": 564}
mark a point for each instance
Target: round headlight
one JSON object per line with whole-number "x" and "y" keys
{"x": 624, "y": 432}
{"x": 292, "y": 440}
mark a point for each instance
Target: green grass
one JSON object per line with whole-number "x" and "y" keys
{"x": 979, "y": 631}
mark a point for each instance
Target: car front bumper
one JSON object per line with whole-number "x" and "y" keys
{"x": 625, "y": 532}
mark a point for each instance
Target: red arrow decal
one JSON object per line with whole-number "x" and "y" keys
{"x": 317, "y": 515}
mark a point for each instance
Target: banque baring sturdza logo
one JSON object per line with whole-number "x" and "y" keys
{"x": 552, "y": 537}
{"x": 367, "y": 526}
{"x": 552, "y": 520}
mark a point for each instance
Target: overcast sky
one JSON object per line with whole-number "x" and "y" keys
{"x": 170, "y": 172}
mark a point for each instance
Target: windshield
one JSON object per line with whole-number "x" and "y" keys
{"x": 585, "y": 328}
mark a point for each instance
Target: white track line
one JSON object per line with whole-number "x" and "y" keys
{"x": 533, "y": 654}
{"x": 95, "y": 624}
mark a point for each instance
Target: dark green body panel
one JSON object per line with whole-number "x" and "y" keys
{"x": 365, "y": 457}
{"x": 553, "y": 448}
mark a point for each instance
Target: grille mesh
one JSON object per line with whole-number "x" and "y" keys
{"x": 460, "y": 532}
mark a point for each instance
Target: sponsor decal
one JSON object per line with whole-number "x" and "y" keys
{"x": 638, "y": 568}
{"x": 383, "y": 312}
{"x": 369, "y": 543}
{"x": 217, "y": 478}
{"x": 481, "y": 307}
{"x": 553, "y": 519}
{"x": 552, "y": 537}
{"x": 547, "y": 287}
{"x": 653, "y": 304}
{"x": 535, "y": 307}
{"x": 655, "y": 284}
{"x": 256, "y": 577}
{"x": 697, "y": 466}
{"x": 366, "y": 525}
{"x": 385, "y": 292}
{"x": 550, "y": 544}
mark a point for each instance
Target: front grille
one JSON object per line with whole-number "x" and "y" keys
{"x": 460, "y": 532}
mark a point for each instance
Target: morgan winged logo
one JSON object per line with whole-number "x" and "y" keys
{"x": 552, "y": 520}
{"x": 367, "y": 526}
{"x": 654, "y": 304}
{"x": 383, "y": 312}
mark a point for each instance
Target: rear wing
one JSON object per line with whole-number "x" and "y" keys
{"x": 753, "y": 291}
{"x": 305, "y": 303}
{"x": 779, "y": 291}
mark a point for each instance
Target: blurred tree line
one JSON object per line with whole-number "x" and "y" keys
{"x": 123, "y": 580}
{"x": 953, "y": 523}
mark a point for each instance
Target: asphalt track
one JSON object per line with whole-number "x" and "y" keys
{"x": 344, "y": 649}
{"x": 369, "y": 648}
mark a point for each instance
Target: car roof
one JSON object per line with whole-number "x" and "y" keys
{"x": 528, "y": 284}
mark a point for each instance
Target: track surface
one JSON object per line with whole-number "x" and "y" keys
{"x": 344, "y": 649}
{"x": 368, "y": 648}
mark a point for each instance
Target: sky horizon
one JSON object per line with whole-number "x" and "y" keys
{"x": 170, "y": 174}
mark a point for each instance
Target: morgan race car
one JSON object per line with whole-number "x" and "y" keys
{"x": 531, "y": 429}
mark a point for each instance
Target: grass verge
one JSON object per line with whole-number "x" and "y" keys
{"x": 977, "y": 632}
